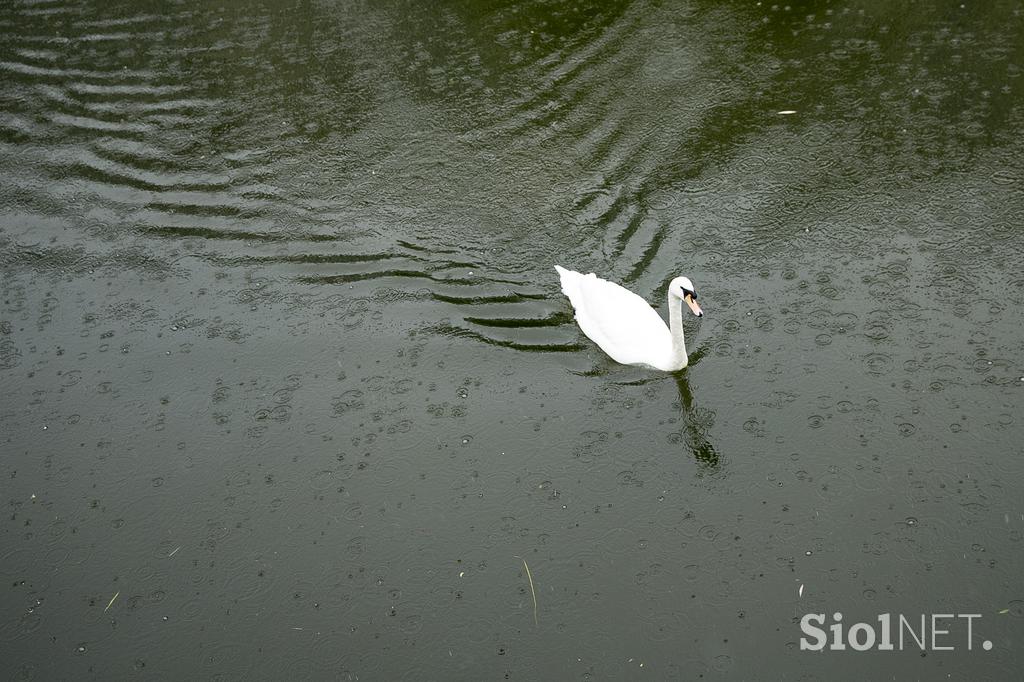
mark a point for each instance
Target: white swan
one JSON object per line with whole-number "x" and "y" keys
{"x": 625, "y": 326}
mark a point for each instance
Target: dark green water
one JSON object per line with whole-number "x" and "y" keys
{"x": 287, "y": 373}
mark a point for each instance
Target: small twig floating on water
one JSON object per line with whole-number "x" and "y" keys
{"x": 533, "y": 592}
{"x": 111, "y": 602}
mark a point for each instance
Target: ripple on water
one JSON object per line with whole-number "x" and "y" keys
{"x": 818, "y": 319}
{"x": 246, "y": 577}
{"x": 906, "y": 429}
{"x": 878, "y": 363}
{"x": 661, "y": 200}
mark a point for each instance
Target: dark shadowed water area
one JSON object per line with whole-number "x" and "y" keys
{"x": 290, "y": 391}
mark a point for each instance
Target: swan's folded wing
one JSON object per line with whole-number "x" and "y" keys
{"x": 620, "y": 322}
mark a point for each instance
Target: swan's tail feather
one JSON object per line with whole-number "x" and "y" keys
{"x": 571, "y": 284}
{"x": 566, "y": 276}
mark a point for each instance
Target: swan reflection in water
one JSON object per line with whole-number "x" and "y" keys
{"x": 697, "y": 421}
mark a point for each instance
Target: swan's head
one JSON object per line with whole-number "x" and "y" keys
{"x": 682, "y": 288}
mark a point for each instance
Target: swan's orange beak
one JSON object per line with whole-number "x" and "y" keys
{"x": 692, "y": 302}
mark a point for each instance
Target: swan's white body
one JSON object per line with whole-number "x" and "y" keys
{"x": 625, "y": 327}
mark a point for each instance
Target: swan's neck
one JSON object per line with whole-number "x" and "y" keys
{"x": 675, "y": 325}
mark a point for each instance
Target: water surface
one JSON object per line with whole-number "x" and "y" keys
{"x": 290, "y": 390}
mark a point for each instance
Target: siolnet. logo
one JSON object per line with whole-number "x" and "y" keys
{"x": 932, "y": 632}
